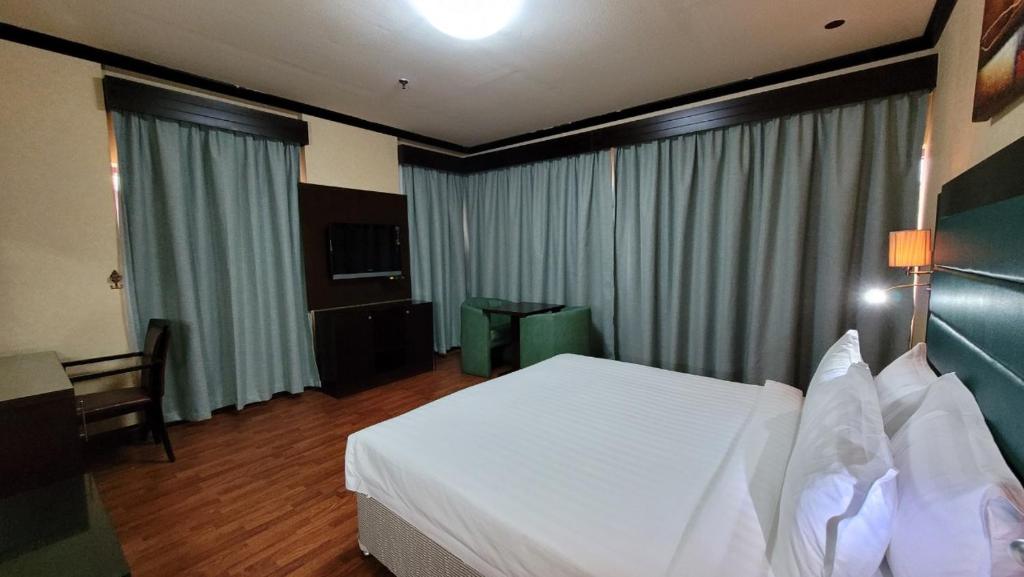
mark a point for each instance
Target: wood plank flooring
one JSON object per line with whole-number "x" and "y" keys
{"x": 258, "y": 492}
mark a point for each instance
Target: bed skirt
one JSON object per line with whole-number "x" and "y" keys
{"x": 401, "y": 547}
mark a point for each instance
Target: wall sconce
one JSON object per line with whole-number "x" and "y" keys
{"x": 115, "y": 279}
{"x": 909, "y": 249}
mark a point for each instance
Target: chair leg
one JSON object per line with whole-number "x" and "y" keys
{"x": 160, "y": 430}
{"x": 167, "y": 445}
{"x": 144, "y": 429}
{"x": 150, "y": 426}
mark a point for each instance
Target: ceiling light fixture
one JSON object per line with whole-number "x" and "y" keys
{"x": 468, "y": 19}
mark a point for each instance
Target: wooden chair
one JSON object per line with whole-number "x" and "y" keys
{"x": 146, "y": 398}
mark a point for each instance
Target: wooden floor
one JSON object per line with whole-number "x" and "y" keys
{"x": 256, "y": 492}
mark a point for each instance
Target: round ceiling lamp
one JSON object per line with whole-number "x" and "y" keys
{"x": 468, "y": 19}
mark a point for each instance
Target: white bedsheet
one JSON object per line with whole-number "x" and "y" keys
{"x": 588, "y": 467}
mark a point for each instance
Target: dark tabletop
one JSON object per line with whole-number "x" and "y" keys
{"x": 523, "y": 309}
{"x": 59, "y": 529}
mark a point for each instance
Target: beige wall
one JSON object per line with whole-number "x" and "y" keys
{"x": 342, "y": 155}
{"x": 58, "y": 236}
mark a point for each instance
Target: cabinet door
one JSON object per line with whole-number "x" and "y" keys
{"x": 325, "y": 336}
{"x": 389, "y": 342}
{"x": 420, "y": 336}
{"x": 343, "y": 349}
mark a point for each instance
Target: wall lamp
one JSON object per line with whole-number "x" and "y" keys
{"x": 909, "y": 249}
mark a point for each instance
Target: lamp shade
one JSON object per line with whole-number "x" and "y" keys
{"x": 910, "y": 248}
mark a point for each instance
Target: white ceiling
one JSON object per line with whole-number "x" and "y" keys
{"x": 558, "y": 61}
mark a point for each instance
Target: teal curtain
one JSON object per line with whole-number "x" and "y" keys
{"x": 211, "y": 242}
{"x": 742, "y": 253}
{"x": 543, "y": 232}
{"x": 436, "y": 202}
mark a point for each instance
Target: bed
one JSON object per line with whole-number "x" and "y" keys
{"x": 584, "y": 466}
{"x": 590, "y": 467}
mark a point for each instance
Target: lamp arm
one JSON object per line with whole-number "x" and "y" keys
{"x": 909, "y": 285}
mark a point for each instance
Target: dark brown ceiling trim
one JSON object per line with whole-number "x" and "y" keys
{"x": 937, "y": 23}
{"x": 416, "y": 156}
{"x": 120, "y": 94}
{"x": 896, "y": 78}
{"x": 825, "y": 66}
{"x": 113, "y": 59}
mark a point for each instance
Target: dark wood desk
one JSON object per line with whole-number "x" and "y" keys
{"x": 516, "y": 311}
{"x": 39, "y": 441}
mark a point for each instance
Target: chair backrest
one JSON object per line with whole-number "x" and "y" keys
{"x": 158, "y": 341}
{"x": 544, "y": 336}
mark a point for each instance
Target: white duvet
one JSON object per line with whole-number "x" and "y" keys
{"x": 588, "y": 467}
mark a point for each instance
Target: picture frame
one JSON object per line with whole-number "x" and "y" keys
{"x": 1000, "y": 79}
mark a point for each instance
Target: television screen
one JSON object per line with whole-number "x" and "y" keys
{"x": 364, "y": 250}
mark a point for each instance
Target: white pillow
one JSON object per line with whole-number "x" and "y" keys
{"x": 838, "y": 358}
{"x": 839, "y": 495}
{"x": 902, "y": 385}
{"x": 960, "y": 505}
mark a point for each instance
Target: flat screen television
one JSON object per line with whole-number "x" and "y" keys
{"x": 364, "y": 250}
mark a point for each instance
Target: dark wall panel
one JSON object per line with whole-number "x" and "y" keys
{"x": 976, "y": 320}
{"x": 319, "y": 207}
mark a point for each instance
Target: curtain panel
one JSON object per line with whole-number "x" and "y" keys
{"x": 543, "y": 232}
{"x": 741, "y": 253}
{"x": 436, "y": 202}
{"x": 211, "y": 242}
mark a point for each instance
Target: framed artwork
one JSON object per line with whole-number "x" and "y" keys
{"x": 1000, "y": 58}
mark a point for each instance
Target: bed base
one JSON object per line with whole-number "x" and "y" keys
{"x": 402, "y": 548}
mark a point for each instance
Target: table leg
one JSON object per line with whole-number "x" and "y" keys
{"x": 515, "y": 343}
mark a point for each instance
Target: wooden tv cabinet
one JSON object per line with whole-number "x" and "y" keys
{"x": 363, "y": 346}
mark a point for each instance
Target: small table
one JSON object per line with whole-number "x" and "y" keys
{"x": 516, "y": 311}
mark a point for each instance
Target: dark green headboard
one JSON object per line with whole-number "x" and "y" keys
{"x": 976, "y": 320}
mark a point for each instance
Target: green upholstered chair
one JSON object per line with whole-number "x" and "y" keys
{"x": 544, "y": 336}
{"x": 481, "y": 334}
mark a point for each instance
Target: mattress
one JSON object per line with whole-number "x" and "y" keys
{"x": 588, "y": 467}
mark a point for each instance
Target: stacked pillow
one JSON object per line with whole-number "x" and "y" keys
{"x": 838, "y": 359}
{"x": 839, "y": 495}
{"x": 959, "y": 504}
{"x": 902, "y": 385}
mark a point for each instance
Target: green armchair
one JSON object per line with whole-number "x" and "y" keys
{"x": 544, "y": 336}
{"x": 481, "y": 334}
